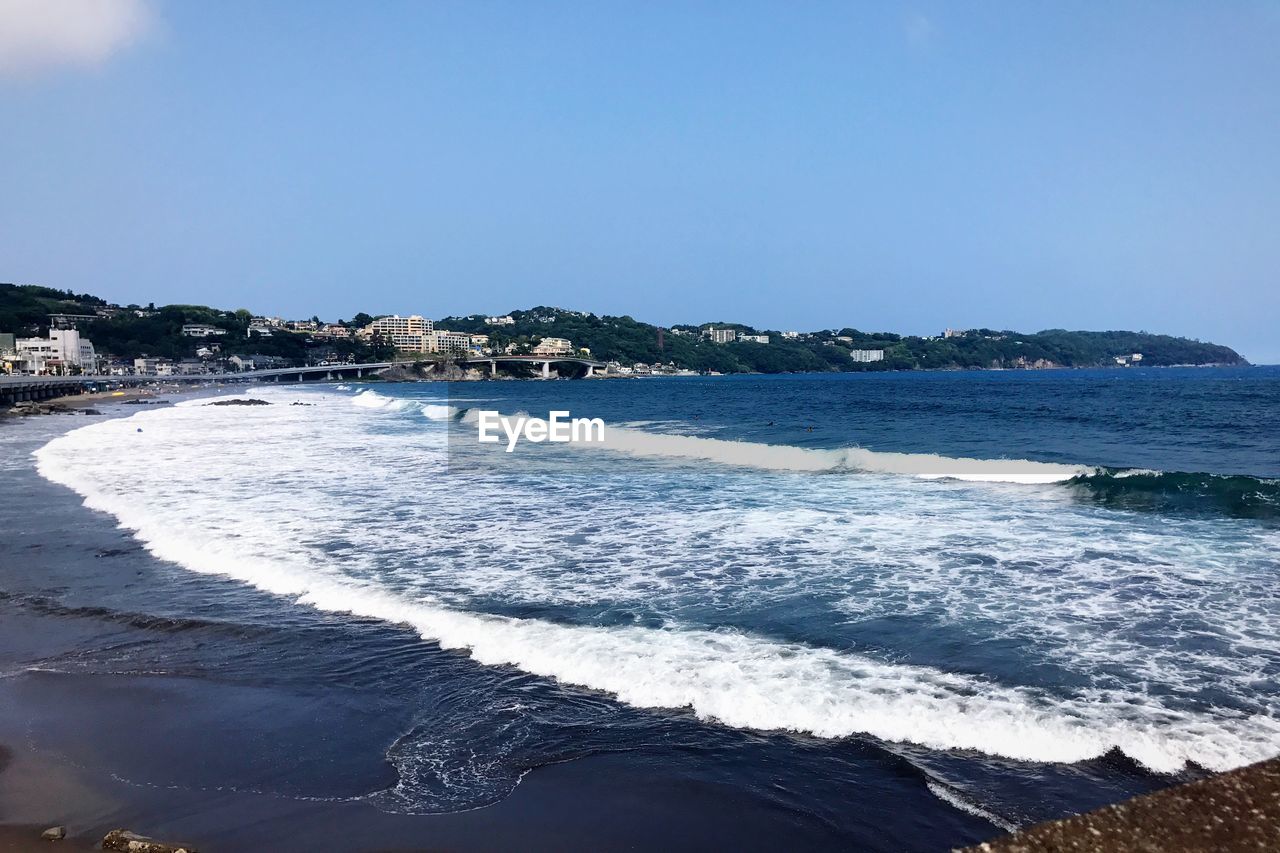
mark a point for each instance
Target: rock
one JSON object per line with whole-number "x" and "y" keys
{"x": 237, "y": 402}
{"x": 130, "y": 842}
{"x": 54, "y": 833}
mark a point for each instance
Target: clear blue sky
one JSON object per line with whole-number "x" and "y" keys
{"x": 791, "y": 165}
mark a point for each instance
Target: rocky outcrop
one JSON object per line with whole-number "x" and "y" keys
{"x": 1234, "y": 811}
{"x": 54, "y": 833}
{"x": 238, "y": 402}
{"x": 130, "y": 842}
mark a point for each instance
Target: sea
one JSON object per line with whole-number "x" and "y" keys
{"x": 878, "y": 611}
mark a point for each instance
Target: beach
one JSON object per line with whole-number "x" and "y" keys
{"x": 113, "y": 716}
{"x": 198, "y": 656}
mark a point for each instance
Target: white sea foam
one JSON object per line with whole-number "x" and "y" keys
{"x": 632, "y": 440}
{"x": 786, "y": 458}
{"x": 269, "y": 511}
{"x": 370, "y": 399}
{"x": 954, "y": 798}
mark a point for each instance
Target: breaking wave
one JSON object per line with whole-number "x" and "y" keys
{"x": 728, "y": 675}
{"x": 1235, "y": 495}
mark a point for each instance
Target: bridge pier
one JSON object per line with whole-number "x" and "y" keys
{"x": 359, "y": 373}
{"x": 493, "y": 369}
{"x": 546, "y": 370}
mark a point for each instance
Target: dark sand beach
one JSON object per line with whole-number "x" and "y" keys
{"x": 227, "y": 735}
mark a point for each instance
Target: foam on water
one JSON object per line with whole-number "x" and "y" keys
{"x": 340, "y": 508}
{"x": 633, "y": 439}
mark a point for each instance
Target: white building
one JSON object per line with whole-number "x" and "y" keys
{"x": 263, "y": 326}
{"x": 449, "y": 342}
{"x": 62, "y": 351}
{"x": 153, "y": 366}
{"x": 865, "y": 356}
{"x": 506, "y": 320}
{"x": 791, "y": 335}
{"x": 553, "y": 346}
{"x": 200, "y": 330}
{"x": 720, "y": 336}
{"x": 412, "y": 333}
{"x": 756, "y": 339}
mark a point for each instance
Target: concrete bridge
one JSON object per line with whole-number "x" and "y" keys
{"x": 18, "y": 389}
{"x": 545, "y": 361}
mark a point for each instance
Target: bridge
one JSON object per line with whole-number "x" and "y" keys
{"x": 545, "y": 361}
{"x": 18, "y": 389}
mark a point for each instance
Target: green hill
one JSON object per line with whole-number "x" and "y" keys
{"x": 627, "y": 340}
{"x": 131, "y": 331}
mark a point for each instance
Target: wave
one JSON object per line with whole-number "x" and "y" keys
{"x": 781, "y": 457}
{"x": 369, "y": 399}
{"x": 727, "y": 676}
{"x": 787, "y": 458}
{"x": 1174, "y": 491}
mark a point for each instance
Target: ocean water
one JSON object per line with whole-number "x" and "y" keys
{"x": 1026, "y": 593}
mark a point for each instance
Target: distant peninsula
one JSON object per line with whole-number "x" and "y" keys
{"x": 231, "y": 339}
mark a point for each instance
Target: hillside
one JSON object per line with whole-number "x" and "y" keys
{"x": 131, "y": 331}
{"x": 627, "y": 340}
{"x": 128, "y": 332}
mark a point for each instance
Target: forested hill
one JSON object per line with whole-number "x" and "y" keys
{"x": 134, "y": 331}
{"x": 627, "y": 340}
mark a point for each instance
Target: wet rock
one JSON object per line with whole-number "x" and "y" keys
{"x": 54, "y": 833}
{"x": 130, "y": 842}
{"x": 249, "y": 402}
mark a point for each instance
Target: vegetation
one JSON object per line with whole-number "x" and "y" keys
{"x": 628, "y": 341}
{"x": 134, "y": 331}
{"x": 131, "y": 331}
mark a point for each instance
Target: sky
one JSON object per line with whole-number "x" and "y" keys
{"x": 882, "y": 165}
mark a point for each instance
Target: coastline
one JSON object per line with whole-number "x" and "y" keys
{"x": 181, "y": 749}
{"x": 78, "y": 732}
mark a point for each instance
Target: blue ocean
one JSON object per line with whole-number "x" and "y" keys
{"x": 876, "y": 611}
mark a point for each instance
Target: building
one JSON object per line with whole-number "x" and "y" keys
{"x": 64, "y": 351}
{"x": 791, "y": 335}
{"x": 553, "y": 346}
{"x": 720, "y": 336}
{"x": 208, "y": 350}
{"x": 9, "y": 362}
{"x": 442, "y": 340}
{"x": 262, "y": 326}
{"x": 408, "y": 333}
{"x": 257, "y": 362}
{"x": 506, "y": 320}
{"x": 332, "y": 330}
{"x": 153, "y": 366}
{"x": 200, "y": 330}
{"x": 953, "y": 333}
{"x": 865, "y": 356}
{"x": 755, "y": 339}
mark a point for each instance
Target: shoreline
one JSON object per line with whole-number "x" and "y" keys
{"x": 61, "y": 726}
{"x": 181, "y": 751}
